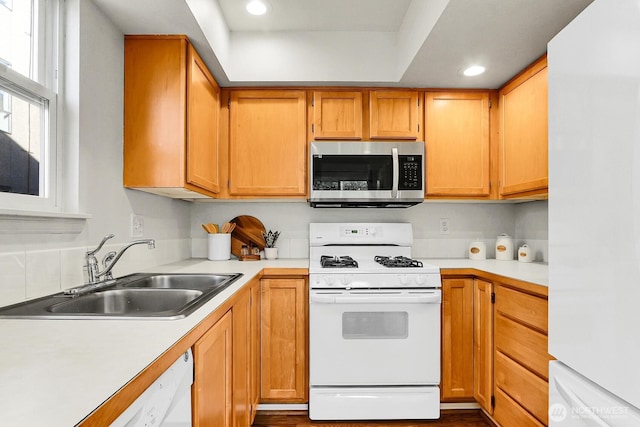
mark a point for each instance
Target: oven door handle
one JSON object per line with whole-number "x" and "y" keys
{"x": 376, "y": 299}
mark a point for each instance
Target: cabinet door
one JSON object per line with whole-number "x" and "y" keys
{"x": 483, "y": 343}
{"x": 284, "y": 343}
{"x": 457, "y": 339}
{"x": 203, "y": 107}
{"x": 523, "y": 150}
{"x": 213, "y": 382}
{"x": 337, "y": 115}
{"x": 394, "y": 114}
{"x": 457, "y": 144}
{"x": 267, "y": 143}
{"x": 254, "y": 394}
{"x": 242, "y": 360}
{"x": 154, "y": 111}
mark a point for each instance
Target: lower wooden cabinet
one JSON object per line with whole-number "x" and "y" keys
{"x": 244, "y": 356}
{"x": 254, "y": 393}
{"x": 284, "y": 341}
{"x": 226, "y": 357}
{"x": 483, "y": 343}
{"x": 457, "y": 339}
{"x": 521, "y": 359}
{"x": 213, "y": 375}
{"x": 494, "y": 348}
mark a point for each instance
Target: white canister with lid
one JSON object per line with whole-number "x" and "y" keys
{"x": 504, "y": 248}
{"x": 524, "y": 254}
{"x": 477, "y": 250}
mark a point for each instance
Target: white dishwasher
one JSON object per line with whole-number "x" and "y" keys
{"x": 167, "y": 402}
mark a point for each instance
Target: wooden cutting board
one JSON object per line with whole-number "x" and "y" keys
{"x": 248, "y": 232}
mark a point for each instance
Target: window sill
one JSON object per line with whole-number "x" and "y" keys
{"x": 34, "y": 222}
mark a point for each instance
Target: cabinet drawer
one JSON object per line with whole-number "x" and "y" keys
{"x": 525, "y": 345}
{"x": 523, "y": 386}
{"x": 508, "y": 413}
{"x": 525, "y": 308}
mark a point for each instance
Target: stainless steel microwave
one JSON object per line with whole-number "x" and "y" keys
{"x": 366, "y": 174}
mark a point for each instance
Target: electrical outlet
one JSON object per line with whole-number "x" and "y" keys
{"x": 444, "y": 225}
{"x": 137, "y": 226}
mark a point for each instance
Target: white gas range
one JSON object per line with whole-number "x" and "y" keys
{"x": 374, "y": 324}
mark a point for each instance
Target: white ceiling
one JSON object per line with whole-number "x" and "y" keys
{"x": 318, "y": 15}
{"x": 407, "y": 43}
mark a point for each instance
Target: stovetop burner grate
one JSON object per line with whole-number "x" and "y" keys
{"x": 397, "y": 262}
{"x": 327, "y": 261}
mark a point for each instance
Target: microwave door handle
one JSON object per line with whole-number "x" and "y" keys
{"x": 396, "y": 173}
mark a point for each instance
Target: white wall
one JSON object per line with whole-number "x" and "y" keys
{"x": 468, "y": 222}
{"x": 532, "y": 228}
{"x": 35, "y": 264}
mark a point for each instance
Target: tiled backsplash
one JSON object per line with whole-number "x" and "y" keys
{"x": 32, "y": 274}
{"x": 422, "y": 248}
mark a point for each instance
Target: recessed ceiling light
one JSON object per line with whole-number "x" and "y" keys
{"x": 474, "y": 70}
{"x": 257, "y": 7}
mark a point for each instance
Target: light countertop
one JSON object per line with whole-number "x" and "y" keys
{"x": 532, "y": 272}
{"x": 56, "y": 372}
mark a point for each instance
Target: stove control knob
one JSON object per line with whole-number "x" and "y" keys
{"x": 329, "y": 280}
{"x": 346, "y": 280}
{"x": 403, "y": 279}
{"x": 421, "y": 279}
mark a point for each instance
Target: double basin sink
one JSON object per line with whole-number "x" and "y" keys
{"x": 137, "y": 296}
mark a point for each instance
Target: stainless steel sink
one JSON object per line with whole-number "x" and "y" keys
{"x": 137, "y": 296}
{"x": 174, "y": 281}
{"x": 128, "y": 302}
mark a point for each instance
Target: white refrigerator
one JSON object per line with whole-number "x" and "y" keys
{"x": 594, "y": 217}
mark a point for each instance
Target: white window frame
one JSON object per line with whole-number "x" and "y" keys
{"x": 46, "y": 64}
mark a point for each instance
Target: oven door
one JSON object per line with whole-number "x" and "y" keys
{"x": 374, "y": 337}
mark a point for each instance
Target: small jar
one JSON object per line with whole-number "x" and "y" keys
{"x": 255, "y": 250}
{"x": 244, "y": 251}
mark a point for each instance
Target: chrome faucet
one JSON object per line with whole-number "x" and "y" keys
{"x": 95, "y": 278}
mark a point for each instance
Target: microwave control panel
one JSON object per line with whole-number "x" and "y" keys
{"x": 410, "y": 172}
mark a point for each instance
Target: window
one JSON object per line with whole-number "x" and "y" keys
{"x": 28, "y": 109}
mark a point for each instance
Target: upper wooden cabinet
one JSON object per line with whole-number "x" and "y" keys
{"x": 457, "y": 144}
{"x": 523, "y": 140}
{"x": 394, "y": 114}
{"x": 267, "y": 143}
{"x": 171, "y": 108}
{"x": 337, "y": 115}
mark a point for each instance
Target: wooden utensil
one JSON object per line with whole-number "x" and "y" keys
{"x": 247, "y": 231}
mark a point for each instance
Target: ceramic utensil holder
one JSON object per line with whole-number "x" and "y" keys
{"x": 271, "y": 253}
{"x": 219, "y": 246}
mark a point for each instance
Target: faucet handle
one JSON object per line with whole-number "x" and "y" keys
{"x": 104, "y": 239}
{"x": 108, "y": 258}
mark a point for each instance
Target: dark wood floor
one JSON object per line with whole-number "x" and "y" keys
{"x": 455, "y": 418}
